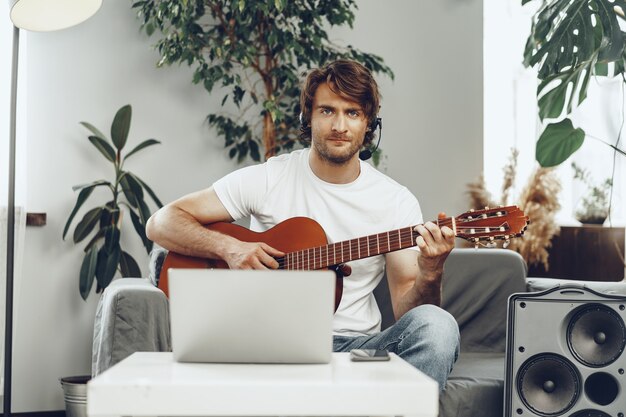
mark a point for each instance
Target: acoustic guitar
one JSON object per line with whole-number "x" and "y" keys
{"x": 306, "y": 247}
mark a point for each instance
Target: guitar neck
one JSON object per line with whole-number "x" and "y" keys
{"x": 351, "y": 250}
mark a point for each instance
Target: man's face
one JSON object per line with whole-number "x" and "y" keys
{"x": 338, "y": 126}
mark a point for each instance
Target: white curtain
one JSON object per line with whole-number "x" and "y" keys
{"x": 6, "y": 42}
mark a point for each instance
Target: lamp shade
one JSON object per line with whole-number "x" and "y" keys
{"x": 49, "y": 15}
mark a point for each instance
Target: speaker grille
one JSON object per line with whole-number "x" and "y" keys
{"x": 548, "y": 384}
{"x": 590, "y": 413}
{"x": 596, "y": 335}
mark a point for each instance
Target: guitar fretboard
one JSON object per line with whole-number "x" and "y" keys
{"x": 350, "y": 250}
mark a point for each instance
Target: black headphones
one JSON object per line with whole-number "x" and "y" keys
{"x": 365, "y": 154}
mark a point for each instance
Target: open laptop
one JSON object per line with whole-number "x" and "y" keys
{"x": 272, "y": 316}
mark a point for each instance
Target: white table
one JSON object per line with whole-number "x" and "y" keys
{"x": 152, "y": 384}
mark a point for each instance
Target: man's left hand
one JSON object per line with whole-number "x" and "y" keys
{"x": 435, "y": 244}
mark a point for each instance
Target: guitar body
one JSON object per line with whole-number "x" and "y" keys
{"x": 297, "y": 233}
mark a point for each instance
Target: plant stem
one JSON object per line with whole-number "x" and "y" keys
{"x": 615, "y": 148}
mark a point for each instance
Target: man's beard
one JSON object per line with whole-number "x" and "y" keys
{"x": 336, "y": 158}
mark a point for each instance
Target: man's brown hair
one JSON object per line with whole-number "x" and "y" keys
{"x": 345, "y": 78}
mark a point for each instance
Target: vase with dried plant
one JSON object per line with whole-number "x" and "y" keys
{"x": 593, "y": 207}
{"x": 538, "y": 199}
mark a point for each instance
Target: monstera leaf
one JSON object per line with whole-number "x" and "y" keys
{"x": 571, "y": 41}
{"x": 557, "y": 142}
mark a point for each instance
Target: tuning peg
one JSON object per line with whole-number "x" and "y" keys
{"x": 486, "y": 207}
{"x": 506, "y": 243}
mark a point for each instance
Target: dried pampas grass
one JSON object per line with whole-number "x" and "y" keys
{"x": 510, "y": 172}
{"x": 539, "y": 200}
{"x": 478, "y": 194}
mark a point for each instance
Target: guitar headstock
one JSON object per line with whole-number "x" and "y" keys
{"x": 489, "y": 224}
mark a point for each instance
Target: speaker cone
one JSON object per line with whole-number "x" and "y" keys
{"x": 596, "y": 335}
{"x": 548, "y": 384}
{"x": 590, "y": 413}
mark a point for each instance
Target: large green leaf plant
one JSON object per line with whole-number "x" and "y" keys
{"x": 104, "y": 255}
{"x": 254, "y": 53}
{"x": 570, "y": 42}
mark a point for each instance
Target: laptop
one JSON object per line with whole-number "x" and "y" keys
{"x": 251, "y": 316}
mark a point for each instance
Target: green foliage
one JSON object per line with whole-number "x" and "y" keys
{"x": 557, "y": 142}
{"x": 255, "y": 52}
{"x": 570, "y": 41}
{"x": 103, "y": 253}
{"x": 594, "y": 207}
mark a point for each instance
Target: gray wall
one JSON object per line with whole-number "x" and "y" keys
{"x": 432, "y": 142}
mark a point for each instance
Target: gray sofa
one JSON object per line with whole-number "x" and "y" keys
{"x": 133, "y": 316}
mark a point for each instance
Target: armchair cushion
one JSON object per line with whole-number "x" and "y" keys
{"x": 475, "y": 386}
{"x": 132, "y": 316}
{"x": 476, "y": 286}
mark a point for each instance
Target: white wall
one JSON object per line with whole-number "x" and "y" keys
{"x": 432, "y": 138}
{"x": 432, "y": 112}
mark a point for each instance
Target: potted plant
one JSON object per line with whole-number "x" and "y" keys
{"x": 594, "y": 205}
{"x": 254, "y": 51}
{"x": 104, "y": 255}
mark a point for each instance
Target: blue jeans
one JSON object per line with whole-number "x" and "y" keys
{"x": 426, "y": 336}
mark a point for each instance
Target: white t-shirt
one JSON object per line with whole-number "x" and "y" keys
{"x": 285, "y": 187}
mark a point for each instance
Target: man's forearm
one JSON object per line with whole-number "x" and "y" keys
{"x": 425, "y": 290}
{"x": 183, "y": 234}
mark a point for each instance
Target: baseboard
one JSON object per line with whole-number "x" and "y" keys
{"x": 59, "y": 413}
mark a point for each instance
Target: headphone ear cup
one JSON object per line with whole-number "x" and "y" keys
{"x": 374, "y": 124}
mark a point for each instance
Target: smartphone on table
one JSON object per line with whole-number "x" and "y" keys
{"x": 368, "y": 355}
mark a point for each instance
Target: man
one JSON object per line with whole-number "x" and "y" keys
{"x": 350, "y": 199}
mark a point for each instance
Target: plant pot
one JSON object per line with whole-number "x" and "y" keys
{"x": 75, "y": 394}
{"x": 598, "y": 219}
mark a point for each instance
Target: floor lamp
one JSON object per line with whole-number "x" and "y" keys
{"x": 39, "y": 16}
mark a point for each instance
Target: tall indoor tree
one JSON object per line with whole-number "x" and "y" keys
{"x": 255, "y": 52}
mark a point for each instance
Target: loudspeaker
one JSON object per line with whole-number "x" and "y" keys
{"x": 565, "y": 354}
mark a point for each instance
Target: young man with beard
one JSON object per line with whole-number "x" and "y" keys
{"x": 349, "y": 198}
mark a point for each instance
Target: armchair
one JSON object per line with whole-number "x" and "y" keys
{"x": 133, "y": 315}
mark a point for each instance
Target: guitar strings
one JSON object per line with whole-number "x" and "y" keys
{"x": 372, "y": 242}
{"x": 321, "y": 256}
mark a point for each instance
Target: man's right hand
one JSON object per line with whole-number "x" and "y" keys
{"x": 251, "y": 255}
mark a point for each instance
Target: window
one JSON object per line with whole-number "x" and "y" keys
{"x": 510, "y": 115}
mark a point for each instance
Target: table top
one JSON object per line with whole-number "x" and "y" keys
{"x": 154, "y": 384}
